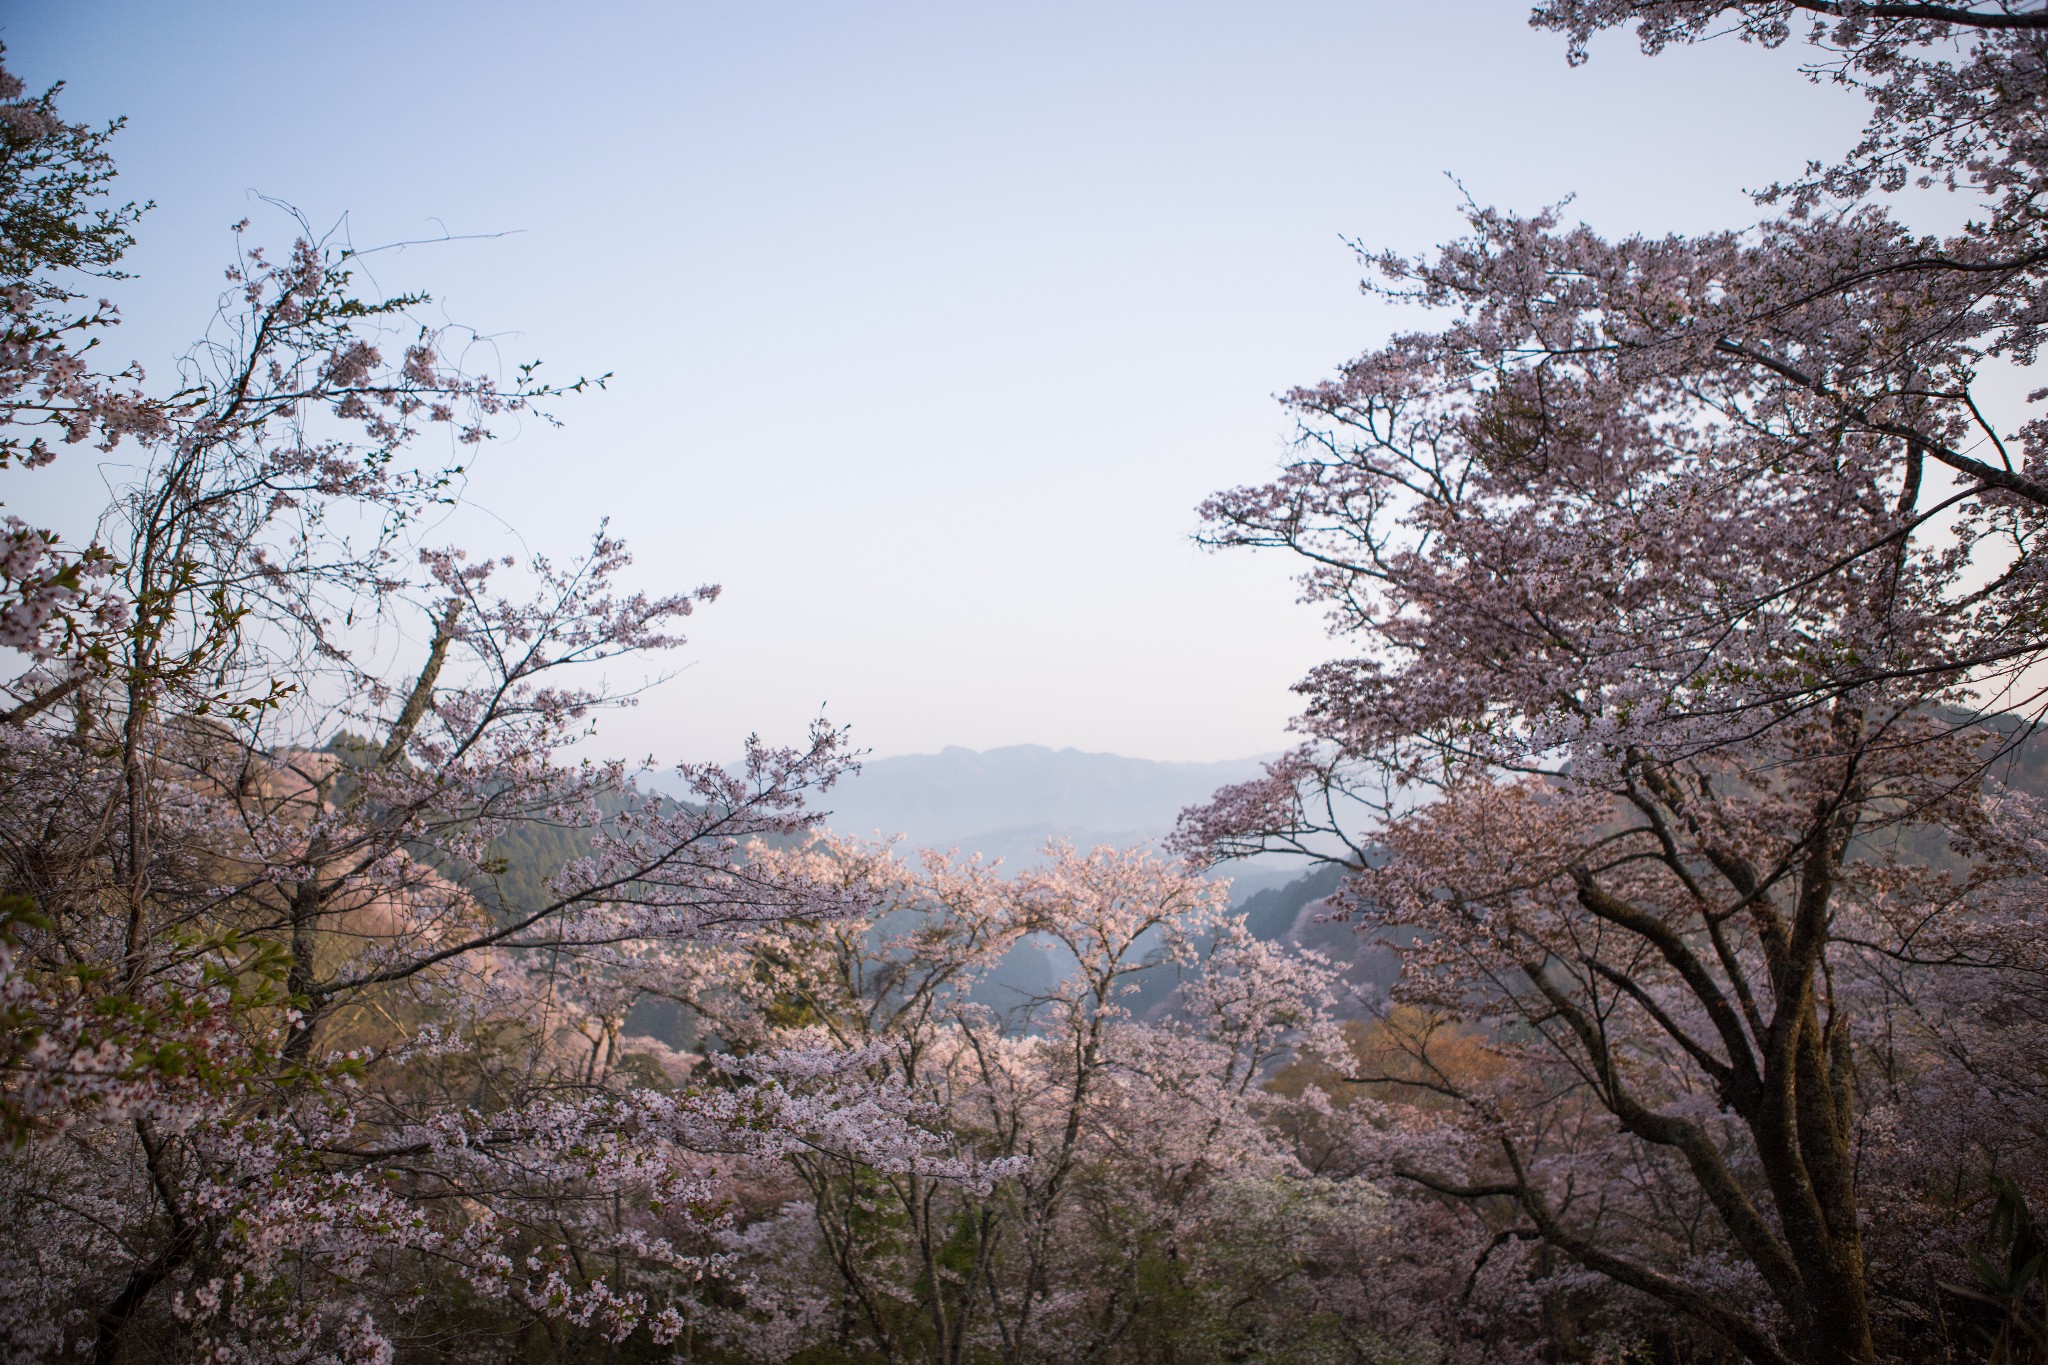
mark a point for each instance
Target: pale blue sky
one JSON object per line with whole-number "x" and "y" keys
{"x": 930, "y": 322}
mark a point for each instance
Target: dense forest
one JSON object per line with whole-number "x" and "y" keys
{"x": 1667, "y": 980}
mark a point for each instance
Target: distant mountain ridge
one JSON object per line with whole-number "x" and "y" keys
{"x": 1006, "y": 802}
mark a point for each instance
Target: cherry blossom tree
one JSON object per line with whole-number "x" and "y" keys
{"x": 1833, "y": 333}
{"x": 284, "y": 1067}
{"x": 1679, "y": 571}
{"x": 1106, "y": 1186}
{"x": 55, "y": 236}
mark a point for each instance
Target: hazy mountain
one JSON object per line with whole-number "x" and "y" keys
{"x": 1007, "y": 802}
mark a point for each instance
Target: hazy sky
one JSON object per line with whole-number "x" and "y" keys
{"x": 930, "y": 323}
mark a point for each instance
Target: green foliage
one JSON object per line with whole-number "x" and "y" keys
{"x": 2010, "y": 1298}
